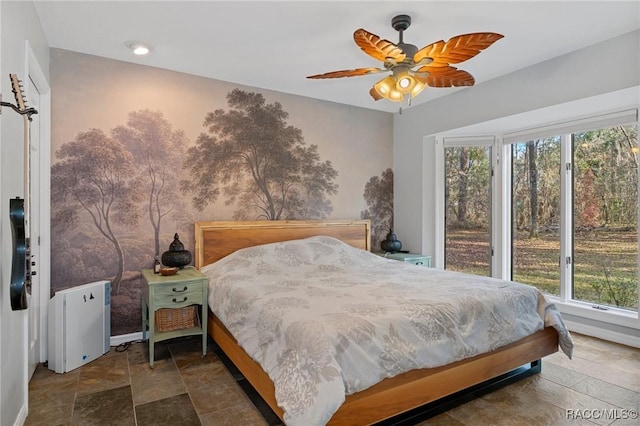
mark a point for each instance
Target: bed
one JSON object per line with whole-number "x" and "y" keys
{"x": 389, "y": 397}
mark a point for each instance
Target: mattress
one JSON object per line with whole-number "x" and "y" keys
{"x": 324, "y": 319}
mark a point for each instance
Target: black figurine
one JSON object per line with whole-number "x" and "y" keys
{"x": 391, "y": 243}
{"x": 176, "y": 255}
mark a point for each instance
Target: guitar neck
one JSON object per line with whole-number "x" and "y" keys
{"x": 16, "y": 88}
{"x": 26, "y": 112}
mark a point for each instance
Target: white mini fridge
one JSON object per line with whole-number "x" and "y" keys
{"x": 79, "y": 325}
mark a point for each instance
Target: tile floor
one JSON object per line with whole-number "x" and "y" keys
{"x": 185, "y": 388}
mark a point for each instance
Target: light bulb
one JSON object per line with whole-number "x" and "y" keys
{"x": 385, "y": 86}
{"x": 395, "y": 96}
{"x": 404, "y": 82}
{"x": 138, "y": 48}
{"x": 419, "y": 87}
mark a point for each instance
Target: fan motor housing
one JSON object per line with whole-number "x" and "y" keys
{"x": 408, "y": 49}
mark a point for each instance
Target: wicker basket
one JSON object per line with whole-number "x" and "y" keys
{"x": 168, "y": 319}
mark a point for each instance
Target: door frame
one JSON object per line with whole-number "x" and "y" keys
{"x": 2, "y": 314}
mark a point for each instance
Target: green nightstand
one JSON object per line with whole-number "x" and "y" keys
{"x": 188, "y": 287}
{"x": 415, "y": 258}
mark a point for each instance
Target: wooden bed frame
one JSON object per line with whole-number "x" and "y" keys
{"x": 392, "y": 396}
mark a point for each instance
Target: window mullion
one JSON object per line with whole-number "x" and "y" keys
{"x": 504, "y": 243}
{"x": 566, "y": 218}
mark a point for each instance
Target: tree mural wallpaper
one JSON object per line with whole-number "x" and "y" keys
{"x": 157, "y": 150}
{"x": 96, "y": 177}
{"x": 129, "y": 168}
{"x": 260, "y": 162}
{"x": 378, "y": 193}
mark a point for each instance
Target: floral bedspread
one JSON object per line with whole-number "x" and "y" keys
{"x": 324, "y": 319}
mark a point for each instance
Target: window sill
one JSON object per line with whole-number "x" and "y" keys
{"x": 615, "y": 325}
{"x": 612, "y": 315}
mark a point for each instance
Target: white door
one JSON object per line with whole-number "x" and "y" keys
{"x": 38, "y": 95}
{"x": 33, "y": 230}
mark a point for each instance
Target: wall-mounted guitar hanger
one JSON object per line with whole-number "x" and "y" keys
{"x": 21, "y": 107}
{"x": 18, "y": 211}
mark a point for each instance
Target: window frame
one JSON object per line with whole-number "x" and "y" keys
{"x": 494, "y": 225}
{"x": 495, "y": 230}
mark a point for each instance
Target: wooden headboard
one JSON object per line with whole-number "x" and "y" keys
{"x": 215, "y": 240}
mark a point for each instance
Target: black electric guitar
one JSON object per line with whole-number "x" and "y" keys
{"x": 18, "y": 212}
{"x": 19, "y": 276}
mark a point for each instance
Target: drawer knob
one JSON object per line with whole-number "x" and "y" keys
{"x": 179, "y": 301}
{"x": 175, "y": 290}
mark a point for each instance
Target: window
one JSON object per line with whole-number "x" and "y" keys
{"x": 535, "y": 214}
{"x": 605, "y": 216}
{"x": 468, "y": 209}
{"x": 580, "y": 179}
{"x": 574, "y": 211}
{"x": 467, "y": 199}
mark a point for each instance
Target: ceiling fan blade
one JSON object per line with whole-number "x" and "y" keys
{"x": 348, "y": 73}
{"x": 457, "y": 49}
{"x": 377, "y": 48}
{"x": 444, "y": 77}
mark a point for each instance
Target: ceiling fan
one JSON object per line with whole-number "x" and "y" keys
{"x": 413, "y": 69}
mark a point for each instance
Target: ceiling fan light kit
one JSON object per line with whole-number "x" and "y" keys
{"x": 413, "y": 69}
{"x": 395, "y": 87}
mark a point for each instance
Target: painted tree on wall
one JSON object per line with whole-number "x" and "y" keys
{"x": 94, "y": 176}
{"x": 259, "y": 162}
{"x": 378, "y": 194}
{"x": 157, "y": 151}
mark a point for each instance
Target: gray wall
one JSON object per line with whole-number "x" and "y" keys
{"x": 599, "y": 69}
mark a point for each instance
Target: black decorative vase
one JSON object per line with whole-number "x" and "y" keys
{"x": 177, "y": 256}
{"x": 391, "y": 243}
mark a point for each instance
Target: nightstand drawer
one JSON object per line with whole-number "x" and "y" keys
{"x": 178, "y": 295}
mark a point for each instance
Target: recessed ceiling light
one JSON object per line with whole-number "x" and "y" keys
{"x": 137, "y": 47}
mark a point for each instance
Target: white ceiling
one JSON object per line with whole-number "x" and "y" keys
{"x": 276, "y": 44}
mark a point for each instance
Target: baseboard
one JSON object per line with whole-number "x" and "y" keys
{"x": 125, "y": 338}
{"x": 604, "y": 334}
{"x": 22, "y": 416}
